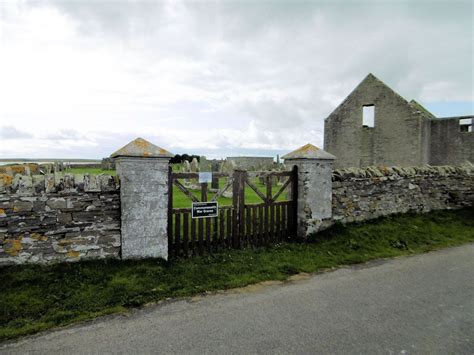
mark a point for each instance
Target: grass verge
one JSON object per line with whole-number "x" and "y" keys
{"x": 35, "y": 298}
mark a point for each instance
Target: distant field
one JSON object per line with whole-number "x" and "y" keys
{"x": 42, "y": 161}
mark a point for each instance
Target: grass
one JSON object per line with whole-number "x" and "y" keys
{"x": 36, "y": 298}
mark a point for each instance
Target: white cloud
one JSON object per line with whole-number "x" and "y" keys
{"x": 82, "y": 78}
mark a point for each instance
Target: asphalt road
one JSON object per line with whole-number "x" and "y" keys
{"x": 415, "y": 305}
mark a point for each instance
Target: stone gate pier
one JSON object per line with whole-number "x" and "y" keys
{"x": 314, "y": 206}
{"x": 143, "y": 171}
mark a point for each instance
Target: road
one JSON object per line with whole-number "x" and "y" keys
{"x": 419, "y": 304}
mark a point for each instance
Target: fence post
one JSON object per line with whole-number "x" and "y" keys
{"x": 215, "y": 180}
{"x": 143, "y": 169}
{"x": 238, "y": 202}
{"x": 314, "y": 188}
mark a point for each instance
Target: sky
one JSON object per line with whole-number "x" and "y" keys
{"x": 80, "y": 79}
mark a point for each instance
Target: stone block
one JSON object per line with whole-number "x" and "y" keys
{"x": 22, "y": 206}
{"x": 57, "y": 203}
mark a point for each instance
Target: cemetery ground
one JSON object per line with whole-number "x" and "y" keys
{"x": 36, "y": 298}
{"x": 180, "y": 200}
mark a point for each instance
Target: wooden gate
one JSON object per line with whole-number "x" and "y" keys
{"x": 271, "y": 220}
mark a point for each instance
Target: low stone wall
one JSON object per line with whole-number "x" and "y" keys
{"x": 54, "y": 218}
{"x": 364, "y": 194}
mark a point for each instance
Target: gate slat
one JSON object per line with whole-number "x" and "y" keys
{"x": 193, "y": 235}
{"x": 215, "y": 231}
{"x": 185, "y": 232}
{"x": 266, "y": 227}
{"x": 208, "y": 233}
{"x": 230, "y": 213}
{"x": 260, "y": 225}
{"x": 283, "y": 222}
{"x": 201, "y": 236}
{"x": 248, "y": 219}
{"x": 272, "y": 222}
{"x": 177, "y": 234}
{"x": 290, "y": 221}
{"x": 254, "y": 226}
{"x": 277, "y": 223}
{"x": 222, "y": 228}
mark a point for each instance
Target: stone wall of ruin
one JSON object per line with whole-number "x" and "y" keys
{"x": 397, "y": 138}
{"x": 449, "y": 144}
{"x": 364, "y": 194}
{"x": 55, "y": 218}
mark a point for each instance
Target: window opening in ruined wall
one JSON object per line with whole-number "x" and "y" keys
{"x": 368, "y": 116}
{"x": 465, "y": 125}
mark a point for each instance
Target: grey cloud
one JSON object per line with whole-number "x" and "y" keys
{"x": 10, "y": 132}
{"x": 117, "y": 18}
{"x": 271, "y": 42}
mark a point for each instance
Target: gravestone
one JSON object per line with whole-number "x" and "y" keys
{"x": 204, "y": 164}
{"x": 186, "y": 167}
{"x": 228, "y": 166}
{"x": 194, "y": 165}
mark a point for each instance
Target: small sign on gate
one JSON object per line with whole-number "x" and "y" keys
{"x": 205, "y": 177}
{"x": 204, "y": 209}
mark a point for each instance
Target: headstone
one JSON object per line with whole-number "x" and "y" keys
{"x": 204, "y": 164}
{"x": 186, "y": 166}
{"x": 194, "y": 165}
{"x": 228, "y": 166}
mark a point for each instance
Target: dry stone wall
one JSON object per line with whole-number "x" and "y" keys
{"x": 55, "y": 218}
{"x": 364, "y": 194}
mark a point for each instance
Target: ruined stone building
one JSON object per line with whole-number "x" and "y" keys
{"x": 376, "y": 126}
